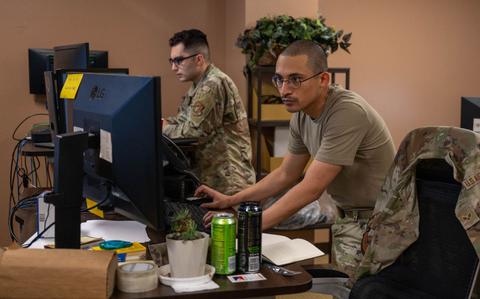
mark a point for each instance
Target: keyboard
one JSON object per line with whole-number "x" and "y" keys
{"x": 196, "y": 211}
{"x": 185, "y": 141}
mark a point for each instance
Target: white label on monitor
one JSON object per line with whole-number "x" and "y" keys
{"x": 106, "y": 145}
{"x": 476, "y": 125}
{"x": 77, "y": 129}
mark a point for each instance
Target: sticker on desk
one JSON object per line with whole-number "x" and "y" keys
{"x": 77, "y": 129}
{"x": 70, "y": 88}
{"x": 106, "y": 145}
{"x": 246, "y": 277}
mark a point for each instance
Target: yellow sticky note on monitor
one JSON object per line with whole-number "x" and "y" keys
{"x": 70, "y": 88}
{"x": 94, "y": 211}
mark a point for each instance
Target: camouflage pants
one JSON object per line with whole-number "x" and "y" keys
{"x": 347, "y": 236}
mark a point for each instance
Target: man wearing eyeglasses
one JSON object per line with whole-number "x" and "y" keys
{"x": 212, "y": 111}
{"x": 348, "y": 141}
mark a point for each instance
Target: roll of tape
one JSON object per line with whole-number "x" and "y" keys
{"x": 137, "y": 276}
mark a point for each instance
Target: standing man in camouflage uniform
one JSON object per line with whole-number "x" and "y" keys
{"x": 212, "y": 111}
{"x": 349, "y": 142}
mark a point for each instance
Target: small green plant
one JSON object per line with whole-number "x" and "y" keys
{"x": 271, "y": 35}
{"x": 183, "y": 226}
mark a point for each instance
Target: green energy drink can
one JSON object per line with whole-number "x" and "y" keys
{"x": 223, "y": 243}
{"x": 249, "y": 237}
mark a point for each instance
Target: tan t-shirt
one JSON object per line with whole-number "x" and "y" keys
{"x": 349, "y": 132}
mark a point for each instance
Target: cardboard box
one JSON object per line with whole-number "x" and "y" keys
{"x": 269, "y": 111}
{"x": 57, "y": 273}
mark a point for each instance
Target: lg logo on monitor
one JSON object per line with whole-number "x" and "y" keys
{"x": 97, "y": 93}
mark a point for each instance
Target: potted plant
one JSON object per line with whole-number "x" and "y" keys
{"x": 187, "y": 248}
{"x": 271, "y": 35}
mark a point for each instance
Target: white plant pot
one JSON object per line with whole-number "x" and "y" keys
{"x": 187, "y": 258}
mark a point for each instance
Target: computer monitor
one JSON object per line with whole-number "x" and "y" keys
{"x": 42, "y": 60}
{"x": 123, "y": 114}
{"x": 98, "y": 59}
{"x": 470, "y": 113}
{"x": 64, "y": 108}
{"x": 56, "y": 122}
{"x": 60, "y": 119}
{"x": 39, "y": 61}
{"x": 71, "y": 56}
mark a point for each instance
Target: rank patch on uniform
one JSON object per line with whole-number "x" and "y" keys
{"x": 468, "y": 217}
{"x": 198, "y": 108}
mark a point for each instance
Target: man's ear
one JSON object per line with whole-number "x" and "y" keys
{"x": 325, "y": 79}
{"x": 200, "y": 59}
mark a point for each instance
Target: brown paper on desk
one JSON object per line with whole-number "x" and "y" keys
{"x": 57, "y": 273}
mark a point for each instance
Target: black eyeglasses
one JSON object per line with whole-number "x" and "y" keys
{"x": 292, "y": 82}
{"x": 178, "y": 60}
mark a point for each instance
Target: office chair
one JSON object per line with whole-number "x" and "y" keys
{"x": 438, "y": 260}
{"x": 442, "y": 262}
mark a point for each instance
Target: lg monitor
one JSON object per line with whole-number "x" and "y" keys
{"x": 122, "y": 115}
{"x": 64, "y": 108}
{"x": 60, "y": 119}
{"x": 470, "y": 113}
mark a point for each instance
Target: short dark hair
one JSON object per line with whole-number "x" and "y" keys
{"x": 193, "y": 40}
{"x": 317, "y": 59}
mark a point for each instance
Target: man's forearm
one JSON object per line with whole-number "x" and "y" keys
{"x": 318, "y": 176}
{"x": 272, "y": 184}
{"x": 182, "y": 130}
{"x": 295, "y": 199}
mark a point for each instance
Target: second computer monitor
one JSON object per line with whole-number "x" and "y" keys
{"x": 71, "y": 56}
{"x": 123, "y": 116}
{"x": 470, "y": 113}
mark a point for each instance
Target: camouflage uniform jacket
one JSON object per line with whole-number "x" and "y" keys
{"x": 394, "y": 223}
{"x": 212, "y": 111}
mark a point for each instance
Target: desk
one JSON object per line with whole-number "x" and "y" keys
{"x": 30, "y": 150}
{"x": 275, "y": 284}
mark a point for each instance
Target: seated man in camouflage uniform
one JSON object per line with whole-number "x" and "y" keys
{"x": 212, "y": 111}
{"x": 349, "y": 142}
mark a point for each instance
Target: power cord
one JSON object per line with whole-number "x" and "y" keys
{"x": 24, "y": 120}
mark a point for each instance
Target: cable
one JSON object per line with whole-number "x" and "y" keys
{"x": 48, "y": 214}
{"x": 38, "y": 236}
{"x": 178, "y": 149}
{"x": 12, "y": 177}
{"x": 27, "y": 202}
{"x": 24, "y": 120}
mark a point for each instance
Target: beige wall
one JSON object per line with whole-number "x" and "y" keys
{"x": 412, "y": 60}
{"x": 234, "y": 59}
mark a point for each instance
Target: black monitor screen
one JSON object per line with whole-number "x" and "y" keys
{"x": 42, "y": 60}
{"x": 470, "y": 113}
{"x": 39, "y": 61}
{"x": 71, "y": 56}
{"x": 123, "y": 113}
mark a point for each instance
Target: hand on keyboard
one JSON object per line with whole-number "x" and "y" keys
{"x": 219, "y": 201}
{"x": 197, "y": 200}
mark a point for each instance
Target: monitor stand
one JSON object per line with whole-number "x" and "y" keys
{"x": 68, "y": 184}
